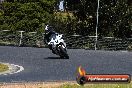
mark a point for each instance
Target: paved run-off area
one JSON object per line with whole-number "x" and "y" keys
{"x": 41, "y": 65}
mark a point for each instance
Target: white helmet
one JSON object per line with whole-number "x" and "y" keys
{"x": 46, "y": 28}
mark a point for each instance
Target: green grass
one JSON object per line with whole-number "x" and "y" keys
{"x": 7, "y": 42}
{"x": 3, "y": 67}
{"x": 129, "y": 85}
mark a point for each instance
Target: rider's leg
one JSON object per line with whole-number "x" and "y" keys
{"x": 50, "y": 47}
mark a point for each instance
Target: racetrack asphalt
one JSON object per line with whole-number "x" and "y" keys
{"x": 41, "y": 65}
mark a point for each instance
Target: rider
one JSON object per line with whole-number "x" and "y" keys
{"x": 48, "y": 34}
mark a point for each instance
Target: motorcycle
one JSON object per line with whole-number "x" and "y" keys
{"x": 58, "y": 45}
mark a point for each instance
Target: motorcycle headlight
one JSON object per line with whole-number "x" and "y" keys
{"x": 51, "y": 43}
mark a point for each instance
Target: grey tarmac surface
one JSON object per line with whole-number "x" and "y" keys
{"x": 41, "y": 65}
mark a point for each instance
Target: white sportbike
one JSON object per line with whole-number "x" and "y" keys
{"x": 58, "y": 45}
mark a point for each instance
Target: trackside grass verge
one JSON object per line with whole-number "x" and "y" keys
{"x": 3, "y": 67}
{"x": 63, "y": 85}
{"x": 129, "y": 85}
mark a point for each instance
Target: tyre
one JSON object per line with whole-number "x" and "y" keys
{"x": 63, "y": 53}
{"x": 81, "y": 80}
